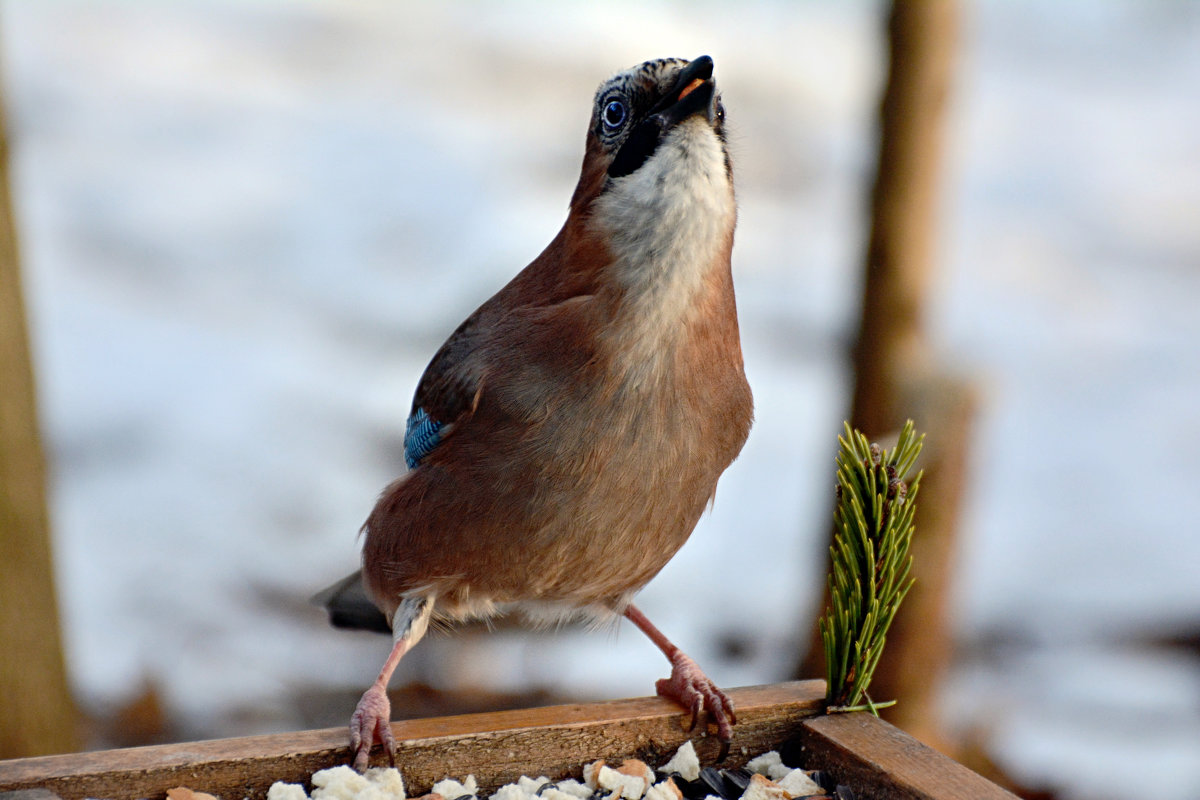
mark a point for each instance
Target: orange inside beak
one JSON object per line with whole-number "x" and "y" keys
{"x": 689, "y": 89}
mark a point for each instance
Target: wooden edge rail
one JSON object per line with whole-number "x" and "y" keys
{"x": 881, "y": 762}
{"x": 499, "y": 747}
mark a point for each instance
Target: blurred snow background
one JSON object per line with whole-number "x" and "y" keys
{"x": 246, "y": 227}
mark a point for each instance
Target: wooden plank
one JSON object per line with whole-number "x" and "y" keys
{"x": 497, "y": 748}
{"x": 881, "y": 762}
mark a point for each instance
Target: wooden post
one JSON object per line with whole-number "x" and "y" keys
{"x": 892, "y": 347}
{"x": 895, "y": 373}
{"x": 36, "y": 712}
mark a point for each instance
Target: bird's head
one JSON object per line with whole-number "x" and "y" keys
{"x": 658, "y": 124}
{"x": 653, "y": 216}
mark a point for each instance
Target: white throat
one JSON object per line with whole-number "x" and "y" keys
{"x": 666, "y": 222}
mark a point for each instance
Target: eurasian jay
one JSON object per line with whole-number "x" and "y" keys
{"x": 566, "y": 438}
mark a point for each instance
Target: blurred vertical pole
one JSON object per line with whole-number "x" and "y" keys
{"x": 37, "y": 715}
{"x": 891, "y": 344}
{"x": 895, "y": 375}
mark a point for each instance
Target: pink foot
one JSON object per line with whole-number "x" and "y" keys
{"x": 371, "y": 724}
{"x": 691, "y": 688}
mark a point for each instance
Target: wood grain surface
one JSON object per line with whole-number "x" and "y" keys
{"x": 496, "y": 747}
{"x": 881, "y": 762}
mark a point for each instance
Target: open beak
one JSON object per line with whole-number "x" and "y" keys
{"x": 692, "y": 93}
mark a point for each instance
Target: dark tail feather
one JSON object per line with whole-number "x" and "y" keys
{"x": 350, "y": 607}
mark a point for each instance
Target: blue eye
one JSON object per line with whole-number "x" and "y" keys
{"x": 614, "y": 114}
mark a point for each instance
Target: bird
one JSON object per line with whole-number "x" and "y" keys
{"x": 566, "y": 438}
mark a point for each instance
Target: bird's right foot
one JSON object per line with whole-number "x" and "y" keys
{"x": 692, "y": 689}
{"x": 371, "y": 723}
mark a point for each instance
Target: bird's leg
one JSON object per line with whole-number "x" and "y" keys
{"x": 372, "y": 715}
{"x": 371, "y": 721}
{"x": 688, "y": 685}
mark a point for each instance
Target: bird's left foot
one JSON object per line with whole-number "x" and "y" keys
{"x": 691, "y": 688}
{"x": 371, "y": 724}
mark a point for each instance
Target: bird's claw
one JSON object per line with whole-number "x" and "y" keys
{"x": 692, "y": 689}
{"x": 371, "y": 723}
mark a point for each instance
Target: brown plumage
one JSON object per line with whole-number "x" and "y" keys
{"x": 568, "y": 436}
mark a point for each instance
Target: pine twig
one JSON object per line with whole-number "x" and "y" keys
{"x": 871, "y": 565}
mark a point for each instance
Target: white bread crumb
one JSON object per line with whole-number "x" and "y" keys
{"x": 684, "y": 763}
{"x": 388, "y": 781}
{"x": 798, "y": 784}
{"x": 630, "y": 787}
{"x": 762, "y": 788}
{"x": 591, "y": 772}
{"x": 343, "y": 783}
{"x": 637, "y": 768}
{"x": 571, "y": 787}
{"x": 532, "y": 785}
{"x": 554, "y": 793}
{"x": 764, "y": 764}
{"x": 511, "y": 791}
{"x": 338, "y": 783}
{"x": 769, "y": 764}
{"x": 452, "y": 789}
{"x": 664, "y": 790}
{"x": 286, "y": 791}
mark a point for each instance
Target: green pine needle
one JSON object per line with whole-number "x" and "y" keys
{"x": 871, "y": 565}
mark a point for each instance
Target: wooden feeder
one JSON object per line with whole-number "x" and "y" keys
{"x": 869, "y": 755}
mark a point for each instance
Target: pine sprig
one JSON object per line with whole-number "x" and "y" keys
{"x": 871, "y": 564}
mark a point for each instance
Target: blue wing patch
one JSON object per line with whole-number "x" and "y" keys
{"x": 421, "y": 435}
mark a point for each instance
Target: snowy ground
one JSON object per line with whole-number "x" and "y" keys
{"x": 246, "y": 228}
